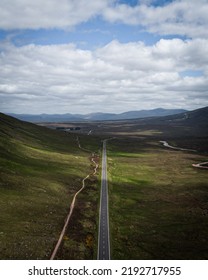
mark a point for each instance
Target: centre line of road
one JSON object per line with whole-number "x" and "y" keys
{"x": 103, "y": 235}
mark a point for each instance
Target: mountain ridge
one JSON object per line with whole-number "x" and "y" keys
{"x": 98, "y": 116}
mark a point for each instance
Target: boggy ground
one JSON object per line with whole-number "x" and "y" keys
{"x": 158, "y": 201}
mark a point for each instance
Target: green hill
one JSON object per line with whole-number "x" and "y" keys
{"x": 40, "y": 170}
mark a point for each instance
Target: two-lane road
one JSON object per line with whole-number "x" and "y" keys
{"x": 103, "y": 237}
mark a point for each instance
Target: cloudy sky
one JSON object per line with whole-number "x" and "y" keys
{"x": 83, "y": 56}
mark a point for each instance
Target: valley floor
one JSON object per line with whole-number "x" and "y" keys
{"x": 158, "y": 202}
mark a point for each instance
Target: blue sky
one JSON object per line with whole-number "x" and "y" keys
{"x": 107, "y": 55}
{"x": 88, "y": 35}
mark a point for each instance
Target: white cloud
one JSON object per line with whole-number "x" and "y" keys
{"x": 117, "y": 77}
{"x": 24, "y": 14}
{"x": 181, "y": 17}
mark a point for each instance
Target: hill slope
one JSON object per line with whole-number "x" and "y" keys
{"x": 194, "y": 122}
{"x": 199, "y": 116}
{"x": 41, "y": 169}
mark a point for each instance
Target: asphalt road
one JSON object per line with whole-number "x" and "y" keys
{"x": 103, "y": 237}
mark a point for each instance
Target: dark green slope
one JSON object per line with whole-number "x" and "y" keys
{"x": 40, "y": 170}
{"x": 197, "y": 117}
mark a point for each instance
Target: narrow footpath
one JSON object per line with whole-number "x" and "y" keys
{"x": 54, "y": 253}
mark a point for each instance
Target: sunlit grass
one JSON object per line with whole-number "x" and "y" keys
{"x": 40, "y": 171}
{"x": 158, "y": 202}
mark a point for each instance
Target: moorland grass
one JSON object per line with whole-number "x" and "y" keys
{"x": 158, "y": 202}
{"x": 40, "y": 171}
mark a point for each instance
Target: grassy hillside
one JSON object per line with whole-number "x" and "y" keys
{"x": 40, "y": 170}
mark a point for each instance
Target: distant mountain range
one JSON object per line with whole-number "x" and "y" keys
{"x": 159, "y": 112}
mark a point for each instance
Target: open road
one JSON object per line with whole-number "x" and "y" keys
{"x": 103, "y": 236}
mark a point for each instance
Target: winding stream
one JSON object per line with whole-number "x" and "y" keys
{"x": 165, "y": 143}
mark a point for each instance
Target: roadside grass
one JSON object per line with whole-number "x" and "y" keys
{"x": 158, "y": 202}
{"x": 40, "y": 171}
{"x": 80, "y": 240}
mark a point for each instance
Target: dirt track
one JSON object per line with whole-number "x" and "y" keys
{"x": 53, "y": 255}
